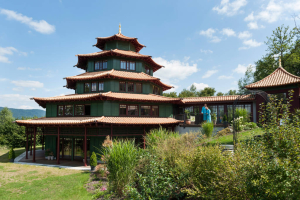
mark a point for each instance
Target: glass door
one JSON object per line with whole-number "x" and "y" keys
{"x": 79, "y": 148}
{"x": 65, "y": 148}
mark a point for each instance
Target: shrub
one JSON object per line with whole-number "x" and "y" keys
{"x": 208, "y": 128}
{"x": 242, "y": 113}
{"x": 93, "y": 160}
{"x": 223, "y": 132}
{"x": 122, "y": 157}
{"x": 250, "y": 126}
{"x": 11, "y": 154}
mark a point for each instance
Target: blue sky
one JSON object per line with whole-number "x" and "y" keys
{"x": 206, "y": 42}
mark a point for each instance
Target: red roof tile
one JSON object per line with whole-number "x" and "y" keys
{"x": 278, "y": 78}
{"x": 102, "y": 40}
{"x": 213, "y": 99}
{"x": 71, "y": 81}
{"x": 90, "y": 120}
{"x": 82, "y": 58}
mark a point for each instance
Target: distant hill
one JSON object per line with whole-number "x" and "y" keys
{"x": 18, "y": 113}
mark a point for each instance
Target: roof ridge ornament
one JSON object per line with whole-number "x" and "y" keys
{"x": 119, "y": 28}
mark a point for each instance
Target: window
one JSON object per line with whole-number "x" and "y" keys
{"x": 129, "y": 110}
{"x": 145, "y": 110}
{"x": 130, "y": 87}
{"x": 99, "y": 65}
{"x": 132, "y": 110}
{"x": 123, "y": 65}
{"x": 101, "y": 86}
{"x": 138, "y": 87}
{"x": 155, "y": 111}
{"x": 60, "y": 111}
{"x": 128, "y": 65}
{"x": 122, "y": 109}
{"x": 87, "y": 109}
{"x": 69, "y": 110}
{"x": 87, "y": 87}
{"x": 147, "y": 70}
{"x": 132, "y": 66}
{"x": 94, "y": 87}
{"x": 79, "y": 110}
{"x": 122, "y": 86}
{"x": 156, "y": 90}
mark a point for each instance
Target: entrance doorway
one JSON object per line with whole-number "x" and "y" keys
{"x": 73, "y": 148}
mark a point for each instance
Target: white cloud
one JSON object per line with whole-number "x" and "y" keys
{"x": 28, "y": 68}
{"x": 254, "y": 25}
{"x": 40, "y": 26}
{"x": 186, "y": 58}
{"x": 223, "y": 77}
{"x": 3, "y": 79}
{"x": 227, "y": 31}
{"x": 250, "y": 43}
{"x": 206, "y": 51}
{"x": 241, "y": 69}
{"x": 210, "y": 34}
{"x": 273, "y": 11}
{"x": 230, "y": 8}
{"x": 17, "y": 101}
{"x": 199, "y": 86}
{"x": 209, "y": 73}
{"x": 174, "y": 70}
{"x": 25, "y": 107}
{"x": 4, "y": 51}
{"x": 244, "y": 35}
{"x": 32, "y": 84}
{"x": 18, "y": 89}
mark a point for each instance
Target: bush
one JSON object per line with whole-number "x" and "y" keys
{"x": 93, "y": 160}
{"x": 223, "y": 132}
{"x": 121, "y": 157}
{"x": 11, "y": 154}
{"x": 242, "y": 113}
{"x": 250, "y": 126}
{"x": 208, "y": 128}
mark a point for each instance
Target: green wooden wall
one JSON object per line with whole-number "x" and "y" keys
{"x": 115, "y": 63}
{"x": 122, "y": 45}
{"x": 108, "y": 108}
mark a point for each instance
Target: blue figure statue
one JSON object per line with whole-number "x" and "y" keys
{"x": 204, "y": 112}
{"x": 208, "y": 112}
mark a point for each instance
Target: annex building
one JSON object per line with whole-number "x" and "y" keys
{"x": 119, "y": 96}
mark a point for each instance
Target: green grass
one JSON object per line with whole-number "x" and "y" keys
{"x": 35, "y": 182}
{"x": 18, "y": 151}
{"x": 228, "y": 139}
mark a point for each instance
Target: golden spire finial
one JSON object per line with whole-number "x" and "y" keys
{"x": 119, "y": 28}
{"x": 279, "y": 61}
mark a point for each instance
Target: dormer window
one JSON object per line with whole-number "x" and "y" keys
{"x": 156, "y": 90}
{"x": 127, "y": 65}
{"x": 100, "y": 65}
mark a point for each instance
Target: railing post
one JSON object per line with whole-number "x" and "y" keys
{"x": 34, "y": 139}
{"x": 85, "y": 149}
{"x": 26, "y": 142}
{"x": 57, "y": 153}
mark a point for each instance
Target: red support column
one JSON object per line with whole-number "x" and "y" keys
{"x": 144, "y": 138}
{"x": 57, "y": 149}
{"x": 85, "y": 153}
{"x": 34, "y": 141}
{"x": 62, "y": 148}
{"x": 43, "y": 129}
{"x": 26, "y": 142}
{"x": 111, "y": 131}
{"x": 31, "y": 141}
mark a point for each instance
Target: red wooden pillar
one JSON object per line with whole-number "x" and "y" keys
{"x": 85, "y": 149}
{"x": 31, "y": 141}
{"x": 43, "y": 129}
{"x": 57, "y": 150}
{"x": 62, "y": 148}
{"x": 144, "y": 138}
{"x": 26, "y": 142}
{"x": 34, "y": 140}
{"x": 111, "y": 131}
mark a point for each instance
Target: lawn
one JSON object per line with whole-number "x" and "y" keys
{"x": 228, "y": 139}
{"x": 35, "y": 182}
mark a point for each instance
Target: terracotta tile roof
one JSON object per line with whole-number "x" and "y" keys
{"x": 278, "y": 78}
{"x": 213, "y": 99}
{"x": 90, "y": 120}
{"x": 102, "y": 40}
{"x": 106, "y": 96}
{"x": 71, "y": 81}
{"x": 82, "y": 58}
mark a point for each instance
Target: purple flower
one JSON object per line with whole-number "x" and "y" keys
{"x": 103, "y": 189}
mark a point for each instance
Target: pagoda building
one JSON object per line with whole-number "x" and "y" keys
{"x": 116, "y": 96}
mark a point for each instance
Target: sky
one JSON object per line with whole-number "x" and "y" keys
{"x": 208, "y": 43}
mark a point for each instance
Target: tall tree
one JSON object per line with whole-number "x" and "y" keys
{"x": 220, "y": 94}
{"x": 170, "y": 94}
{"x": 231, "y": 92}
{"x": 246, "y": 80}
{"x": 206, "y": 92}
